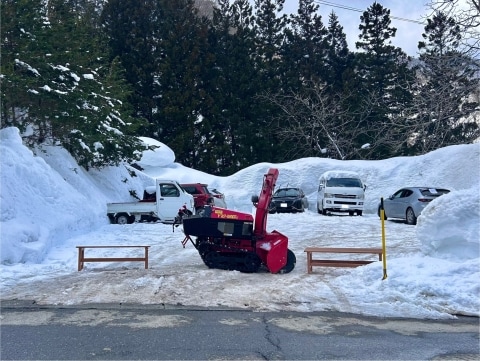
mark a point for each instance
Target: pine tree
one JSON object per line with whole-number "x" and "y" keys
{"x": 21, "y": 26}
{"x": 180, "y": 95}
{"x": 132, "y": 29}
{"x": 54, "y": 72}
{"x": 383, "y": 74}
{"x": 304, "y": 54}
{"x": 339, "y": 60}
{"x": 269, "y": 28}
{"x": 234, "y": 85}
{"x": 445, "y": 106}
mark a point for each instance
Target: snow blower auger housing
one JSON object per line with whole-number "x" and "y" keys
{"x": 232, "y": 240}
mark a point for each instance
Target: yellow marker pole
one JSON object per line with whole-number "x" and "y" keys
{"x": 384, "y": 248}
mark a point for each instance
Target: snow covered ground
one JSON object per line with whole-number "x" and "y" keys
{"x": 49, "y": 205}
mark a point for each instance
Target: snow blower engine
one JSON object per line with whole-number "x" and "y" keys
{"x": 232, "y": 240}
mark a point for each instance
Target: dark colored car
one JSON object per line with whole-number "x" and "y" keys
{"x": 407, "y": 203}
{"x": 288, "y": 200}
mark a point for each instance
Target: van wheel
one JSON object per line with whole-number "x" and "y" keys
{"x": 359, "y": 213}
{"x": 322, "y": 211}
{"x": 351, "y": 213}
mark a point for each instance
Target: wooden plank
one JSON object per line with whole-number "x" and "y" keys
{"x": 336, "y": 262}
{"x": 114, "y": 259}
{"x": 112, "y": 246}
{"x": 82, "y": 259}
{"x": 343, "y": 250}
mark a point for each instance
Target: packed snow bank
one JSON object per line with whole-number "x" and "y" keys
{"x": 161, "y": 156}
{"x": 47, "y": 198}
{"x": 449, "y": 227}
{"x": 39, "y": 208}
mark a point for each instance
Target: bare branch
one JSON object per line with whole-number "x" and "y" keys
{"x": 318, "y": 123}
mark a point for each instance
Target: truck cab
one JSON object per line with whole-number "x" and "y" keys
{"x": 160, "y": 202}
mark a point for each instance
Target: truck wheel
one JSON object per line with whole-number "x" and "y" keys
{"x": 122, "y": 219}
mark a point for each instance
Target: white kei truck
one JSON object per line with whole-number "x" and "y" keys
{"x": 160, "y": 203}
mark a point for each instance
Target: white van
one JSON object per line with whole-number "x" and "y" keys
{"x": 340, "y": 191}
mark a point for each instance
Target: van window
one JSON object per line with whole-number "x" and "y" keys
{"x": 344, "y": 182}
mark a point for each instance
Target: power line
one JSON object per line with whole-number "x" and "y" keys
{"x": 345, "y": 7}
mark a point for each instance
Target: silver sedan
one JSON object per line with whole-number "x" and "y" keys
{"x": 407, "y": 203}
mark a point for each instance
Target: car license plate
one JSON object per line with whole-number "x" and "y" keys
{"x": 283, "y": 205}
{"x": 345, "y": 206}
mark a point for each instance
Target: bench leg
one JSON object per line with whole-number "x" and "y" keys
{"x": 309, "y": 262}
{"x": 81, "y": 257}
{"x": 146, "y": 257}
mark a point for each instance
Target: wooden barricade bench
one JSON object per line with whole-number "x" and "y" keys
{"x": 82, "y": 259}
{"x": 336, "y": 262}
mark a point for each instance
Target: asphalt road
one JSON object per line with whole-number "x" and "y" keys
{"x": 159, "y": 332}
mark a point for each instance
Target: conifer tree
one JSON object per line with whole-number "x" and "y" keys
{"x": 269, "y": 27}
{"x": 180, "y": 95}
{"x": 53, "y": 87}
{"x": 383, "y": 73}
{"x": 235, "y": 86}
{"x": 304, "y": 53}
{"x": 339, "y": 60}
{"x": 445, "y": 106}
{"x": 132, "y": 30}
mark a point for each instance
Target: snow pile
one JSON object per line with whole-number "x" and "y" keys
{"x": 160, "y": 156}
{"x": 447, "y": 227}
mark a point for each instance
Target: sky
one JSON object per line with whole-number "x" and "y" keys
{"x": 406, "y": 17}
{"x": 50, "y": 205}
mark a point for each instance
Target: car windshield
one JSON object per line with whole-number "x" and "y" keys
{"x": 433, "y": 192}
{"x": 286, "y": 193}
{"x": 344, "y": 182}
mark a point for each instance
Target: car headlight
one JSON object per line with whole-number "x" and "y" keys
{"x": 328, "y": 195}
{"x": 361, "y": 196}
